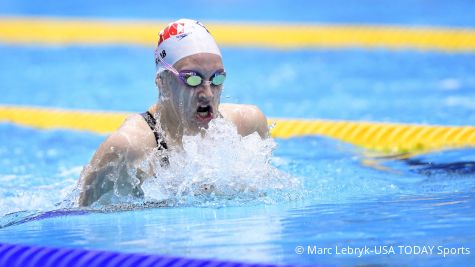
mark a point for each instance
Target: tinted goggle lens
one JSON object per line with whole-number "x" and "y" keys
{"x": 218, "y": 78}
{"x": 193, "y": 79}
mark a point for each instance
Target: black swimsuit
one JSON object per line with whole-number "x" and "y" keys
{"x": 151, "y": 121}
{"x": 148, "y": 117}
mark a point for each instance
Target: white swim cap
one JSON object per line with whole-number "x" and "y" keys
{"x": 182, "y": 38}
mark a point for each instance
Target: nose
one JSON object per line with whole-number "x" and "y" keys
{"x": 205, "y": 93}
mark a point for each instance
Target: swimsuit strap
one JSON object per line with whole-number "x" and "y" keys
{"x": 148, "y": 117}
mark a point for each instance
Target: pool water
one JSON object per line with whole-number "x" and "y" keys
{"x": 342, "y": 203}
{"x": 345, "y": 196}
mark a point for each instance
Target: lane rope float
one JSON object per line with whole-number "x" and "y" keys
{"x": 61, "y": 31}
{"x": 383, "y": 137}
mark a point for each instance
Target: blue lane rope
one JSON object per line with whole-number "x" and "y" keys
{"x": 35, "y": 256}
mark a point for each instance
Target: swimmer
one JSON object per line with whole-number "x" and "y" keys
{"x": 190, "y": 77}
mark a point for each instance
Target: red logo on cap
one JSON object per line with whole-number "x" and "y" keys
{"x": 171, "y": 30}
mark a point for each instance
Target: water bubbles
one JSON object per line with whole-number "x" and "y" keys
{"x": 221, "y": 168}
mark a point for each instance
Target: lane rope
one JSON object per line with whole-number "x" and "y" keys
{"x": 62, "y": 31}
{"x": 39, "y": 256}
{"x": 383, "y": 137}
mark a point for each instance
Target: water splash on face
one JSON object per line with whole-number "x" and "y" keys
{"x": 178, "y": 99}
{"x": 219, "y": 167}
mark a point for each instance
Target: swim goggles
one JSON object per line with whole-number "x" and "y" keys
{"x": 193, "y": 78}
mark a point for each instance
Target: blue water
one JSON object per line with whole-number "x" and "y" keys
{"x": 405, "y": 12}
{"x": 335, "y": 84}
{"x": 348, "y": 199}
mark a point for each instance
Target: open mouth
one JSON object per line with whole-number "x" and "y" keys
{"x": 205, "y": 112}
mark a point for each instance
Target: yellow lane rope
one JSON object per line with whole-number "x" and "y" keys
{"x": 47, "y": 118}
{"x": 384, "y": 137}
{"x": 54, "y": 31}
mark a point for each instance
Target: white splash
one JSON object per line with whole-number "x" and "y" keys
{"x": 35, "y": 198}
{"x": 220, "y": 168}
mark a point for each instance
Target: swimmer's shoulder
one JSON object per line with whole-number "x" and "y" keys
{"x": 133, "y": 137}
{"x": 247, "y": 118}
{"x": 137, "y": 132}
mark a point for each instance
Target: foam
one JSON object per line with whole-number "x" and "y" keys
{"x": 221, "y": 168}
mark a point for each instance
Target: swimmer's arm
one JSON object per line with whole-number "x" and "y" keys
{"x": 109, "y": 161}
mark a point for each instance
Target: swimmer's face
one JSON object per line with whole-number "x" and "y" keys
{"x": 196, "y": 106}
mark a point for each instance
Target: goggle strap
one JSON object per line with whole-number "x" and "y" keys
{"x": 168, "y": 66}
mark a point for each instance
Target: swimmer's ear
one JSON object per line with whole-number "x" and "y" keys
{"x": 161, "y": 82}
{"x": 158, "y": 81}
